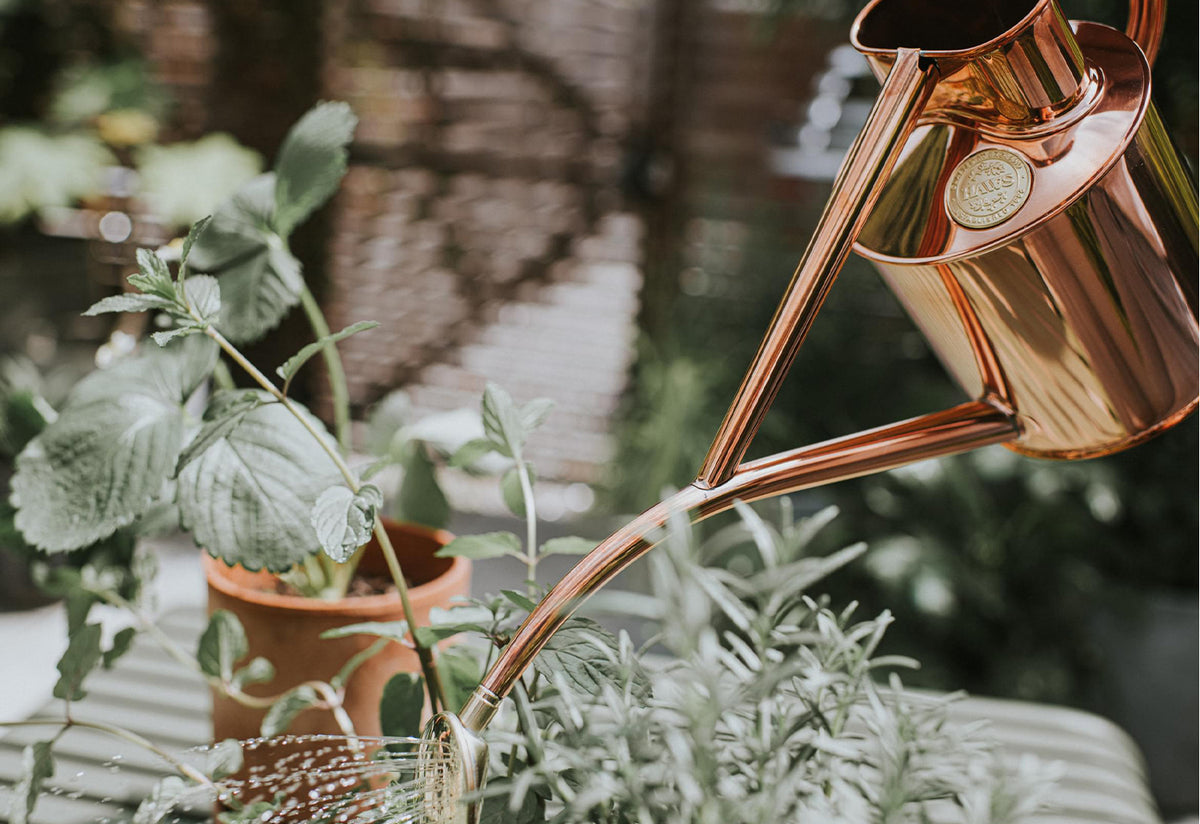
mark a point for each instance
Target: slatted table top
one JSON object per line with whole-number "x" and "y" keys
{"x": 102, "y": 779}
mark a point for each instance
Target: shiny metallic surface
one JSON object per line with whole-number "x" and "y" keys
{"x": 988, "y": 188}
{"x": 1085, "y": 300}
{"x": 452, "y": 763}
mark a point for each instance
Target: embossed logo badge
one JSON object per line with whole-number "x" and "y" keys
{"x": 988, "y": 188}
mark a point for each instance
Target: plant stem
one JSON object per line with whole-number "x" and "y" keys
{"x": 531, "y": 558}
{"x": 333, "y": 364}
{"x": 186, "y": 770}
{"x": 437, "y": 695}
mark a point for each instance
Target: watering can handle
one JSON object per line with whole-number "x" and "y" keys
{"x": 724, "y": 480}
{"x": 1145, "y": 26}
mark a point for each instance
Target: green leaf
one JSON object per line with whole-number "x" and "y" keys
{"x": 283, "y": 712}
{"x": 105, "y": 460}
{"x": 487, "y": 545}
{"x": 161, "y": 801}
{"x": 223, "y": 759}
{"x": 260, "y": 279}
{"x": 311, "y": 162}
{"x": 401, "y": 706}
{"x": 153, "y": 277}
{"x": 520, "y": 600}
{"x": 534, "y": 414}
{"x": 293, "y": 364}
{"x": 81, "y": 657}
{"x": 225, "y": 411}
{"x": 472, "y": 452}
{"x": 258, "y": 671}
{"x": 421, "y": 499}
{"x": 583, "y": 653}
{"x": 79, "y": 603}
{"x": 203, "y": 296}
{"x": 222, "y": 644}
{"x": 461, "y": 674}
{"x": 570, "y": 545}
{"x": 166, "y": 336}
{"x": 37, "y": 766}
{"x": 344, "y": 520}
{"x": 511, "y": 491}
{"x": 249, "y": 497}
{"x": 343, "y": 675}
{"x": 502, "y": 421}
{"x": 130, "y": 302}
{"x": 394, "y": 630}
{"x": 430, "y": 636}
{"x": 122, "y": 642}
{"x": 194, "y": 232}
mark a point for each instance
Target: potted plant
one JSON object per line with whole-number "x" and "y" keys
{"x": 256, "y": 479}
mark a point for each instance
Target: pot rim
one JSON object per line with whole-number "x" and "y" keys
{"x": 440, "y": 588}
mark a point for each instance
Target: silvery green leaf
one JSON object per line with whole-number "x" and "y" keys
{"x": 222, "y": 644}
{"x": 223, "y": 759}
{"x": 421, "y": 499}
{"x": 194, "y": 232}
{"x": 258, "y": 671}
{"x": 81, "y": 657}
{"x": 37, "y": 765}
{"x": 130, "y": 302}
{"x": 293, "y": 364}
{"x": 168, "y": 335}
{"x": 122, "y": 642}
{"x": 502, "y": 421}
{"x": 472, "y": 452}
{"x": 161, "y": 801}
{"x": 570, "y": 545}
{"x": 394, "y": 630}
{"x": 225, "y": 411}
{"x": 512, "y": 492}
{"x": 281, "y": 714}
{"x": 343, "y": 520}
{"x": 248, "y": 498}
{"x": 203, "y": 295}
{"x": 311, "y": 162}
{"x": 153, "y": 277}
{"x": 583, "y": 653}
{"x": 487, "y": 545}
{"x": 104, "y": 461}
{"x": 534, "y": 414}
{"x": 238, "y": 229}
{"x": 402, "y": 704}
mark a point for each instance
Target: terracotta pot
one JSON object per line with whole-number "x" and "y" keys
{"x": 286, "y": 630}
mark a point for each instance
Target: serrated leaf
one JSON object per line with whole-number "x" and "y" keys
{"x": 222, "y": 644}
{"x": 283, "y": 712}
{"x": 223, "y": 759}
{"x": 394, "y": 630}
{"x": 81, "y": 657}
{"x": 153, "y": 277}
{"x": 203, "y": 295}
{"x": 248, "y": 498}
{"x": 225, "y": 411}
{"x": 569, "y": 545}
{"x": 583, "y": 653}
{"x": 122, "y": 642}
{"x": 105, "y": 460}
{"x": 512, "y": 493}
{"x": 198, "y": 228}
{"x": 129, "y": 302}
{"x": 166, "y": 336}
{"x": 343, "y": 520}
{"x": 486, "y": 545}
{"x": 402, "y": 704}
{"x": 293, "y": 364}
{"x": 260, "y": 279}
{"x": 161, "y": 801}
{"x": 311, "y": 162}
{"x": 421, "y": 499}
{"x": 258, "y": 671}
{"x": 37, "y": 766}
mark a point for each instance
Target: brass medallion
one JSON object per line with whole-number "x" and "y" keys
{"x": 988, "y": 188}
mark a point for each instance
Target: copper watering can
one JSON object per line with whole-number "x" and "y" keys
{"x": 1016, "y": 189}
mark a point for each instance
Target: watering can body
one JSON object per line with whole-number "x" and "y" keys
{"x": 1040, "y": 229}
